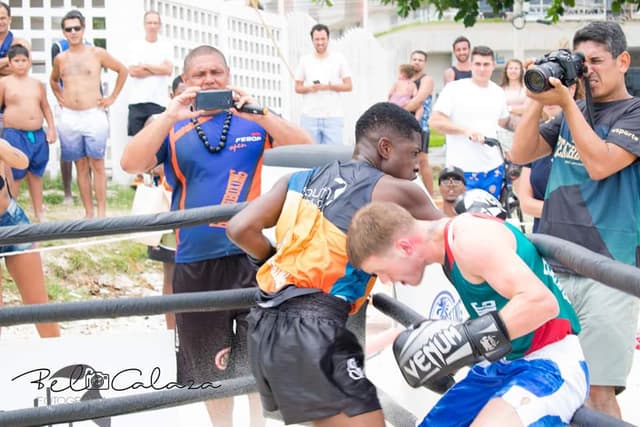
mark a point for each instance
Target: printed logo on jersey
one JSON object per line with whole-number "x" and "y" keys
{"x": 253, "y": 137}
{"x": 242, "y": 141}
{"x": 324, "y": 196}
{"x": 445, "y": 307}
{"x": 484, "y": 307}
{"x": 235, "y": 184}
{"x": 548, "y": 271}
{"x": 354, "y": 370}
{"x": 625, "y": 133}
{"x": 566, "y": 150}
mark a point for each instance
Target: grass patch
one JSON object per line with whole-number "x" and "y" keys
{"x": 80, "y": 273}
{"x": 123, "y": 257}
{"x": 436, "y": 139}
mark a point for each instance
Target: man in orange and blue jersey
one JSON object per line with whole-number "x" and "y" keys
{"x": 209, "y": 158}
{"x": 306, "y": 362}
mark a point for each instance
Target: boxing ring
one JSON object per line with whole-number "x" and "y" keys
{"x": 583, "y": 261}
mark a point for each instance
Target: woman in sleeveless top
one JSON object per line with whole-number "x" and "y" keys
{"x": 25, "y": 268}
{"x": 514, "y": 90}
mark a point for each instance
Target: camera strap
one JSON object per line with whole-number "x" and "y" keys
{"x": 589, "y": 101}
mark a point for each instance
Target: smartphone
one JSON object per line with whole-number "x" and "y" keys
{"x": 214, "y": 100}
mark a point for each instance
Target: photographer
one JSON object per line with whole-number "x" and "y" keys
{"x": 592, "y": 195}
{"x": 210, "y": 157}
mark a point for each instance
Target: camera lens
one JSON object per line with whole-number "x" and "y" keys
{"x": 535, "y": 80}
{"x": 97, "y": 382}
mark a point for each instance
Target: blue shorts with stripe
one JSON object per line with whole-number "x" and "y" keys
{"x": 545, "y": 388}
{"x": 33, "y": 143}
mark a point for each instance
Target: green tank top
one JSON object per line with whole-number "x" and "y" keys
{"x": 482, "y": 298}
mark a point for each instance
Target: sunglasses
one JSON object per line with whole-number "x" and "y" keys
{"x": 451, "y": 181}
{"x": 77, "y": 29}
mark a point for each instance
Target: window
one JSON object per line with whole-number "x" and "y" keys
{"x": 56, "y": 22}
{"x": 17, "y": 23}
{"x": 15, "y": 3}
{"x": 98, "y": 3}
{"x": 99, "y": 23}
{"x": 38, "y": 67}
{"x": 35, "y": 3}
{"x": 77, "y": 3}
{"x": 37, "y": 45}
{"x": 100, "y": 42}
{"x": 37, "y": 23}
{"x": 57, "y": 3}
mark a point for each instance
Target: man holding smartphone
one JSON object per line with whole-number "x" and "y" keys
{"x": 320, "y": 78}
{"x": 210, "y": 157}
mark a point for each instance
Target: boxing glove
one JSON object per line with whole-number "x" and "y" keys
{"x": 434, "y": 349}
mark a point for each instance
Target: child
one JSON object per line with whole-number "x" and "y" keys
{"x": 404, "y": 88}
{"x": 26, "y": 268}
{"x": 26, "y": 105}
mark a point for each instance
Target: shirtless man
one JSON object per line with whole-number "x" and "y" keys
{"x": 83, "y": 127}
{"x": 462, "y": 69}
{"x": 26, "y": 106}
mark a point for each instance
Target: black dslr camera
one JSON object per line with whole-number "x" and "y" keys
{"x": 561, "y": 64}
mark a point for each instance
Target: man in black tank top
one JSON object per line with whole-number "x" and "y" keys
{"x": 462, "y": 69}
{"x": 294, "y": 282}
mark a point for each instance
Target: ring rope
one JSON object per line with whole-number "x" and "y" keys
{"x": 585, "y": 262}
{"x": 101, "y": 408}
{"x": 122, "y": 307}
{"x": 77, "y": 245}
{"x": 117, "y": 225}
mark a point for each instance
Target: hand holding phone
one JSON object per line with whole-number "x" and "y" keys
{"x": 214, "y": 100}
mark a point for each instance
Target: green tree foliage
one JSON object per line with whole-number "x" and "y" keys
{"x": 468, "y": 9}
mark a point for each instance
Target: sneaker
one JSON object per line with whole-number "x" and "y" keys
{"x": 68, "y": 201}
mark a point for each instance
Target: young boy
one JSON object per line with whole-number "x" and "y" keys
{"x": 26, "y": 105}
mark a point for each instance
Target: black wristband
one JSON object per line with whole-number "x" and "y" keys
{"x": 259, "y": 262}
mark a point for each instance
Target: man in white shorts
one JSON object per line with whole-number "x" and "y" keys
{"x": 83, "y": 127}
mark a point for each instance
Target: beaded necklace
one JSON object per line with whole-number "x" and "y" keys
{"x": 223, "y": 136}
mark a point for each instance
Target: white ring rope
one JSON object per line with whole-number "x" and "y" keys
{"x": 80, "y": 244}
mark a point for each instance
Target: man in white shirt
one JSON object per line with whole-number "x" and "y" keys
{"x": 467, "y": 111}
{"x": 320, "y": 78}
{"x": 150, "y": 67}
